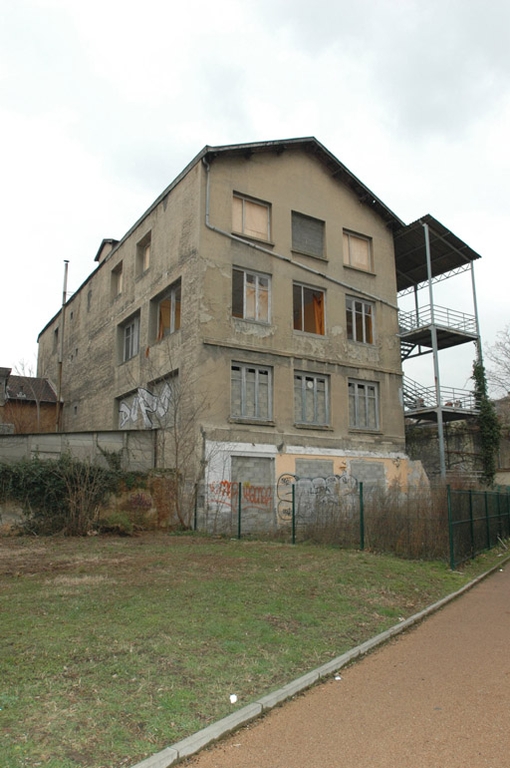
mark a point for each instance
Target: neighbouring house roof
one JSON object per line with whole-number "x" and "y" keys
{"x": 31, "y": 389}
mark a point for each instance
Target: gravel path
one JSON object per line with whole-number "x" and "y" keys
{"x": 438, "y": 695}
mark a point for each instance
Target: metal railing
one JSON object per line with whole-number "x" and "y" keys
{"x": 417, "y": 397}
{"x": 477, "y": 521}
{"x": 447, "y": 318}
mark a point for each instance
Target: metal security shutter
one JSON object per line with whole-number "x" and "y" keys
{"x": 307, "y": 235}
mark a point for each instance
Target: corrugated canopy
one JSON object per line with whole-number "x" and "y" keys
{"x": 447, "y": 252}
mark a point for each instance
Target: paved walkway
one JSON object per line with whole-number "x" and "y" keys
{"x": 437, "y": 696}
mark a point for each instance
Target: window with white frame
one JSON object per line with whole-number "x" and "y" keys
{"x": 363, "y": 405}
{"x": 359, "y": 320}
{"x": 308, "y": 309}
{"x": 166, "y": 312}
{"x": 311, "y": 399}
{"x": 130, "y": 338}
{"x": 251, "y": 392}
{"x": 307, "y": 235}
{"x": 358, "y": 251}
{"x": 250, "y": 295}
{"x": 251, "y": 217}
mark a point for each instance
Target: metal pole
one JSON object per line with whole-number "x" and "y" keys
{"x": 475, "y": 305}
{"x": 471, "y": 526}
{"x": 61, "y": 347}
{"x": 433, "y": 332}
{"x": 487, "y": 521}
{"x": 239, "y": 503}
{"x": 293, "y": 513}
{"x": 361, "y": 519}
{"x": 450, "y": 526}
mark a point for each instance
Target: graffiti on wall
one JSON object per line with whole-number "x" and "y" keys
{"x": 146, "y": 404}
{"x": 313, "y": 495}
{"x": 225, "y": 492}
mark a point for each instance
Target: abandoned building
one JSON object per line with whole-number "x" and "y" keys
{"x": 254, "y": 305}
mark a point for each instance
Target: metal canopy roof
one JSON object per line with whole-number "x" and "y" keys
{"x": 447, "y": 252}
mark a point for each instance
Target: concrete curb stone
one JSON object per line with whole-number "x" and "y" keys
{"x": 197, "y": 741}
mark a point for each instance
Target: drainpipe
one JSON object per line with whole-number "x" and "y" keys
{"x": 61, "y": 348}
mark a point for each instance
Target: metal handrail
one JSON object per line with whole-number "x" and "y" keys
{"x": 417, "y": 397}
{"x": 443, "y": 316}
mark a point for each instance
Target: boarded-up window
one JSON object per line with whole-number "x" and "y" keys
{"x": 307, "y": 235}
{"x": 363, "y": 405}
{"x": 251, "y": 217}
{"x": 250, "y": 295}
{"x": 308, "y": 309}
{"x": 117, "y": 280}
{"x": 251, "y": 392}
{"x": 143, "y": 254}
{"x": 358, "y": 251}
{"x": 311, "y": 405}
{"x": 359, "y": 320}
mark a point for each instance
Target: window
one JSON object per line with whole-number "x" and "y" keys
{"x": 143, "y": 254}
{"x": 359, "y": 320}
{"x": 117, "y": 280}
{"x": 55, "y": 339}
{"x": 250, "y": 295}
{"x": 358, "y": 251}
{"x": 307, "y": 235}
{"x": 130, "y": 338}
{"x": 251, "y": 392}
{"x": 251, "y": 217}
{"x": 166, "y": 312}
{"x": 311, "y": 400}
{"x": 308, "y": 305}
{"x": 363, "y": 405}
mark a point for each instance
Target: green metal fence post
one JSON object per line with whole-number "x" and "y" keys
{"x": 361, "y": 519}
{"x": 450, "y": 527}
{"x": 471, "y": 526}
{"x": 293, "y": 513}
{"x": 239, "y": 502}
{"x": 195, "y": 511}
{"x": 487, "y": 521}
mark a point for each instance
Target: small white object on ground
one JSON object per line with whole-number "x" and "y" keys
{"x": 233, "y": 698}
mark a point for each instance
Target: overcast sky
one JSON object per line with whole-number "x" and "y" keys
{"x": 103, "y": 103}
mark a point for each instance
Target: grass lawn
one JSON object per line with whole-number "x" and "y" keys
{"x": 113, "y": 648}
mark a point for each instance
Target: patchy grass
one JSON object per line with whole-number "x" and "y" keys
{"x": 114, "y": 648}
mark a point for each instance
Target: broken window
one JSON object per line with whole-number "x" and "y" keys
{"x": 359, "y": 320}
{"x": 166, "y": 312}
{"x": 251, "y": 395}
{"x": 311, "y": 400}
{"x": 363, "y": 405}
{"x": 307, "y": 235}
{"x": 250, "y": 295}
{"x": 251, "y": 217}
{"x": 308, "y": 306}
{"x": 358, "y": 251}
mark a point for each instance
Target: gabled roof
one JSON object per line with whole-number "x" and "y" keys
{"x": 313, "y": 147}
{"x": 30, "y": 388}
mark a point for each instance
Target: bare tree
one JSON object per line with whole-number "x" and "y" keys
{"x": 498, "y": 353}
{"x": 172, "y": 402}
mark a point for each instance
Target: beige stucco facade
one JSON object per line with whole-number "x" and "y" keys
{"x": 303, "y": 362}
